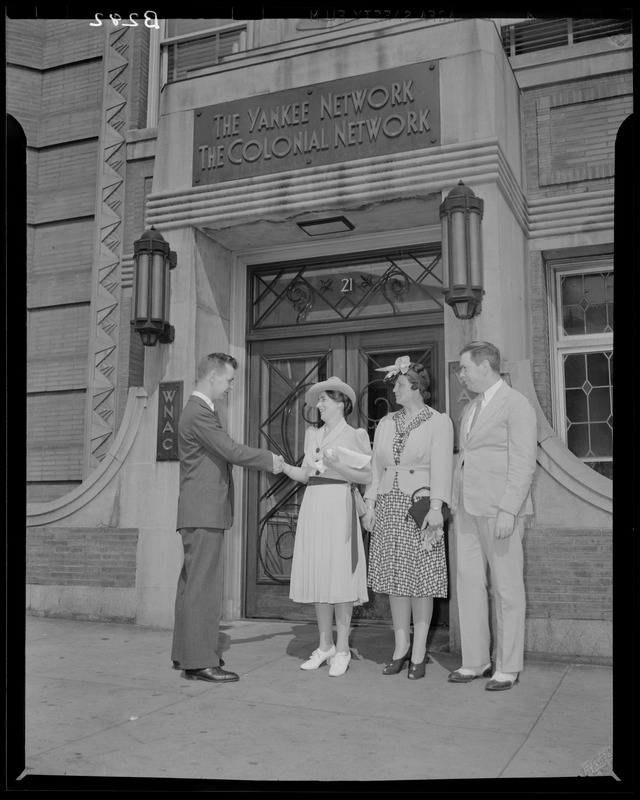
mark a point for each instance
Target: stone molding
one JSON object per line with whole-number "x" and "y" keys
{"x": 378, "y": 179}
{"x": 577, "y": 212}
{"x": 416, "y": 173}
{"x": 553, "y": 455}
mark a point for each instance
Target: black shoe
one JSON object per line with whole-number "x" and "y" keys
{"x": 176, "y": 664}
{"x": 416, "y": 671}
{"x": 215, "y": 674}
{"x": 395, "y": 666}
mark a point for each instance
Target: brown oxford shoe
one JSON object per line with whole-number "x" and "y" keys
{"x": 214, "y": 674}
{"x": 500, "y": 686}
{"x": 461, "y": 677}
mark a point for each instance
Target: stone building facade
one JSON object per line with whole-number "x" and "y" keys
{"x": 235, "y": 139}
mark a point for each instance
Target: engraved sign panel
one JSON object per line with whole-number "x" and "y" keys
{"x": 361, "y": 116}
{"x": 169, "y": 408}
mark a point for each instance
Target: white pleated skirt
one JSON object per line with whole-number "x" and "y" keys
{"x": 321, "y": 570}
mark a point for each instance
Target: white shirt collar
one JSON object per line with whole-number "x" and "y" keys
{"x": 491, "y": 391}
{"x": 203, "y": 397}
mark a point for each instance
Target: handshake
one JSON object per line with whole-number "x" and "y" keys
{"x": 278, "y": 464}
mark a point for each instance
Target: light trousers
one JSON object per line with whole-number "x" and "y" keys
{"x": 486, "y": 564}
{"x": 198, "y": 604}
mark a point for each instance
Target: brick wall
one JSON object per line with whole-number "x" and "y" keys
{"x": 82, "y": 556}
{"x": 33, "y": 159}
{"x": 67, "y": 178}
{"x": 569, "y": 146}
{"x": 61, "y": 263}
{"x": 55, "y": 436}
{"x": 69, "y": 40}
{"x": 71, "y": 103}
{"x": 57, "y": 348}
{"x": 140, "y": 79}
{"x": 54, "y": 89}
{"x": 576, "y": 151}
{"x": 569, "y": 573}
{"x": 569, "y": 132}
{"x": 24, "y": 41}
{"x": 24, "y": 99}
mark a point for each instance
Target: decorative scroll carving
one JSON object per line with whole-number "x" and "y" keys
{"x": 407, "y": 282}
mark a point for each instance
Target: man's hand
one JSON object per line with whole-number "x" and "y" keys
{"x": 504, "y": 524}
{"x": 278, "y": 464}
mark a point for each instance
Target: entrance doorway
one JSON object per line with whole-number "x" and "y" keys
{"x": 281, "y": 373}
{"x": 281, "y": 369}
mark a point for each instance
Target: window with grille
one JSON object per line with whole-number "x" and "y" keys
{"x": 583, "y": 355}
{"x": 191, "y": 46}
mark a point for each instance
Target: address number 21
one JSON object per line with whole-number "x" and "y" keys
{"x": 347, "y": 285}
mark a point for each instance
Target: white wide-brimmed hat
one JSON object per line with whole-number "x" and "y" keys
{"x": 332, "y": 384}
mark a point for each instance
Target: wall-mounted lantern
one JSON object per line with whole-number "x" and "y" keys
{"x": 152, "y": 260}
{"x": 461, "y": 213}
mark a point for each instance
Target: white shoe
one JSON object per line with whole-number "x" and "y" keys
{"x": 339, "y": 664}
{"x": 318, "y": 657}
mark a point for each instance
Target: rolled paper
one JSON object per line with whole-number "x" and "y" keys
{"x": 352, "y": 458}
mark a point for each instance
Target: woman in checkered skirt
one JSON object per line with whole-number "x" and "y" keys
{"x": 412, "y": 456}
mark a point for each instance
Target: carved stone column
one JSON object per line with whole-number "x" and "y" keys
{"x": 105, "y": 320}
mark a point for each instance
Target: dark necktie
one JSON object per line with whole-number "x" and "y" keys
{"x": 476, "y": 413}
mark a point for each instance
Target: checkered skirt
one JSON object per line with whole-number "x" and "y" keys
{"x": 397, "y": 563}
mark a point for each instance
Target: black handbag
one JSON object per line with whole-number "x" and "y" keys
{"x": 419, "y": 508}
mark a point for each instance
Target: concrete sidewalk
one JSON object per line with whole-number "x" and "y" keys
{"x": 103, "y": 700}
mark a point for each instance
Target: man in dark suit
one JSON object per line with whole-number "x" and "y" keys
{"x": 205, "y": 510}
{"x": 491, "y": 496}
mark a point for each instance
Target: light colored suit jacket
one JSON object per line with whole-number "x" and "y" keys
{"x": 207, "y": 454}
{"x": 499, "y": 456}
{"x": 427, "y": 459}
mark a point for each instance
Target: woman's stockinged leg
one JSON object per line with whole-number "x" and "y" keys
{"x": 324, "y": 615}
{"x": 401, "y": 616}
{"x": 343, "y": 625}
{"x": 422, "y": 608}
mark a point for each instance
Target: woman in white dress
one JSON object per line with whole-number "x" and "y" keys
{"x": 328, "y": 567}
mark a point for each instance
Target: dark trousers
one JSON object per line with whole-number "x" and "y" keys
{"x": 199, "y": 599}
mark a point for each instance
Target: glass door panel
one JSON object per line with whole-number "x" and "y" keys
{"x": 281, "y": 373}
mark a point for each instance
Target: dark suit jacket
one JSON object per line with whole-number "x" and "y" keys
{"x": 207, "y": 454}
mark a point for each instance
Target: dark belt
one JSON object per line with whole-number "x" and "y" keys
{"x": 316, "y": 481}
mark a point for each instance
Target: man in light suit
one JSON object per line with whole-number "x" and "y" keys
{"x": 205, "y": 510}
{"x": 491, "y": 495}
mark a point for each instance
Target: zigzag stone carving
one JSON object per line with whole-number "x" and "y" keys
{"x": 108, "y": 251}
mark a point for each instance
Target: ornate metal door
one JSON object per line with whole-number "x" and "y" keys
{"x": 281, "y": 372}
